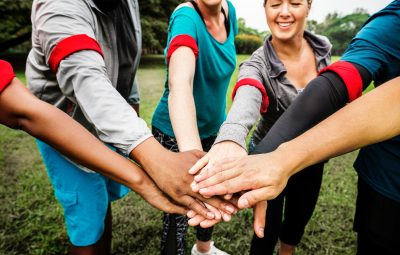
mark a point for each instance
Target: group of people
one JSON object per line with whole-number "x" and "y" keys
{"x": 84, "y": 60}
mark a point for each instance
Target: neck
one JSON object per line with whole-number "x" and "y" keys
{"x": 210, "y": 12}
{"x": 289, "y": 49}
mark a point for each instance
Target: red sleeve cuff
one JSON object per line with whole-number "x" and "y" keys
{"x": 259, "y": 86}
{"x": 182, "y": 40}
{"x": 6, "y": 74}
{"x": 350, "y": 76}
{"x": 70, "y": 45}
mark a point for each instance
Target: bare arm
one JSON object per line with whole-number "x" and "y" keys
{"x": 181, "y": 104}
{"x": 372, "y": 118}
{"x": 20, "y": 109}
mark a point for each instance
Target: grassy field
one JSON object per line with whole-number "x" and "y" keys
{"x": 31, "y": 221}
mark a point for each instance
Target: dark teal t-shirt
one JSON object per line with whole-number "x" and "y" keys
{"x": 214, "y": 66}
{"x": 377, "y": 48}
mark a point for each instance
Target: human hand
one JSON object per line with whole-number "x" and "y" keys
{"x": 219, "y": 151}
{"x": 169, "y": 171}
{"x": 259, "y": 209}
{"x": 263, "y": 177}
{"x": 149, "y": 191}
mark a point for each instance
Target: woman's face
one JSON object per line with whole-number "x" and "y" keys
{"x": 286, "y": 18}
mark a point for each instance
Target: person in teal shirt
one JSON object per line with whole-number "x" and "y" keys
{"x": 200, "y": 58}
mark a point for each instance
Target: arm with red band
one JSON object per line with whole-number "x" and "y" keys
{"x": 6, "y": 74}
{"x": 322, "y": 97}
{"x": 69, "y": 46}
{"x": 182, "y": 41}
{"x": 257, "y": 84}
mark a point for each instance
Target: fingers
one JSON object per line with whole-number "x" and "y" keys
{"x": 217, "y": 213}
{"x": 260, "y": 210}
{"x": 219, "y": 204}
{"x": 213, "y": 168}
{"x": 249, "y": 199}
{"x": 229, "y": 186}
{"x": 228, "y": 196}
{"x": 199, "y": 164}
{"x": 196, "y": 220}
{"x": 163, "y": 204}
{"x": 196, "y": 206}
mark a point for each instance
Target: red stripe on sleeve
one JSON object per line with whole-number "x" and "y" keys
{"x": 350, "y": 76}
{"x": 70, "y": 45}
{"x": 259, "y": 86}
{"x": 182, "y": 40}
{"x": 6, "y": 74}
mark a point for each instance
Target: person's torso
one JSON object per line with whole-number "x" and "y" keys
{"x": 43, "y": 82}
{"x": 214, "y": 66}
{"x": 379, "y": 164}
{"x": 281, "y": 92}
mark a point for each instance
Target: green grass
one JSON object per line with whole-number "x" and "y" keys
{"x": 31, "y": 220}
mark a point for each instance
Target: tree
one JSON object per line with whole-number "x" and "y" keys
{"x": 340, "y": 30}
{"x": 155, "y": 17}
{"x": 15, "y": 25}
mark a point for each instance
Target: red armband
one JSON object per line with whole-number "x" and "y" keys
{"x": 182, "y": 40}
{"x": 259, "y": 86}
{"x": 70, "y": 45}
{"x": 350, "y": 76}
{"x": 6, "y": 74}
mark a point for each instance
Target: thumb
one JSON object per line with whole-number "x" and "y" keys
{"x": 260, "y": 211}
{"x": 250, "y": 198}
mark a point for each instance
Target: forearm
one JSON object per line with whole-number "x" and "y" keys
{"x": 22, "y": 110}
{"x": 372, "y": 118}
{"x": 244, "y": 112}
{"x": 82, "y": 78}
{"x": 181, "y": 103}
{"x": 182, "y": 112}
{"x": 150, "y": 154}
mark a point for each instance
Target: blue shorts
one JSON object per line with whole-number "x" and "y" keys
{"x": 84, "y": 196}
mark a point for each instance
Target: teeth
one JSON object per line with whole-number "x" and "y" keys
{"x": 284, "y": 24}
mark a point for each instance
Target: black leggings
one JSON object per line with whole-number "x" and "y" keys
{"x": 299, "y": 199}
{"x": 175, "y": 226}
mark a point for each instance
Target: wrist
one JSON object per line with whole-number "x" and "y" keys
{"x": 294, "y": 163}
{"x": 149, "y": 153}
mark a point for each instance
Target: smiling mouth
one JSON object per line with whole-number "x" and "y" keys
{"x": 284, "y": 24}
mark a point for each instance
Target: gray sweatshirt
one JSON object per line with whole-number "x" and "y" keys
{"x": 84, "y": 84}
{"x": 264, "y": 67}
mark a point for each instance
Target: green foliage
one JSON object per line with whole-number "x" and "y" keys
{"x": 247, "y": 44}
{"x": 248, "y": 39}
{"x": 155, "y": 17}
{"x": 339, "y": 29}
{"x": 15, "y": 25}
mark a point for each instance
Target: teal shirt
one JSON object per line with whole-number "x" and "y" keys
{"x": 214, "y": 66}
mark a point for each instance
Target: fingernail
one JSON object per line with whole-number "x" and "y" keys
{"x": 203, "y": 190}
{"x": 226, "y": 217}
{"x": 210, "y": 215}
{"x": 261, "y": 232}
{"x": 230, "y": 208}
{"x": 243, "y": 203}
{"x": 198, "y": 177}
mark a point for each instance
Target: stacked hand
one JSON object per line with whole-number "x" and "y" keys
{"x": 169, "y": 170}
{"x": 248, "y": 174}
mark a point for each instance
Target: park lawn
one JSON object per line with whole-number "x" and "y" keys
{"x": 31, "y": 220}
